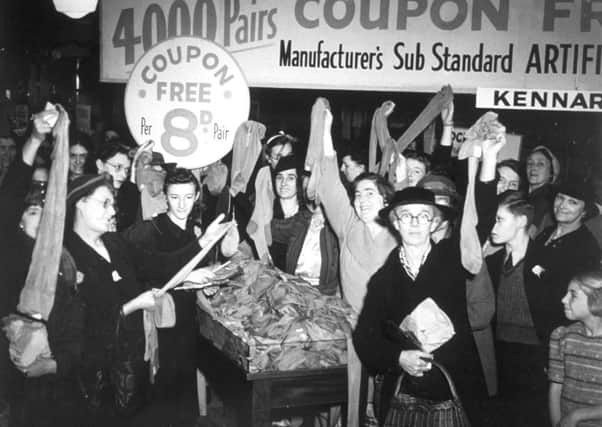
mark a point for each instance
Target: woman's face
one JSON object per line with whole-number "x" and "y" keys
{"x": 415, "y": 170}
{"x": 414, "y": 222}
{"x": 180, "y": 199}
{"x": 575, "y": 303}
{"x": 97, "y": 211}
{"x": 508, "y": 180}
{"x": 30, "y": 220}
{"x": 286, "y": 184}
{"x": 568, "y": 210}
{"x": 278, "y": 151}
{"x": 77, "y": 159}
{"x": 117, "y": 167}
{"x": 539, "y": 169}
{"x": 367, "y": 200}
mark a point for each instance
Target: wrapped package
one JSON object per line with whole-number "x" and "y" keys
{"x": 429, "y": 325}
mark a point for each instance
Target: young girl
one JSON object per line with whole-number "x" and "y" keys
{"x": 576, "y": 356}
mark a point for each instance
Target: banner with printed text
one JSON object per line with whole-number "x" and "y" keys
{"x": 389, "y": 45}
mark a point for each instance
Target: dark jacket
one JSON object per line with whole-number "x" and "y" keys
{"x": 391, "y": 296}
{"x": 292, "y": 233}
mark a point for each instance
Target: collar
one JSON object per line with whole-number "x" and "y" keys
{"x": 406, "y": 265}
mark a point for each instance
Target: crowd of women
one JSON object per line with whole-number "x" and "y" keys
{"x": 527, "y": 323}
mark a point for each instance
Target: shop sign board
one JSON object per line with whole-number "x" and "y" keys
{"x": 189, "y": 96}
{"x": 391, "y": 45}
{"x": 511, "y": 150}
{"x": 540, "y": 99}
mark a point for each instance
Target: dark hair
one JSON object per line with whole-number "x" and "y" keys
{"x": 80, "y": 138}
{"x": 590, "y": 282}
{"x": 516, "y": 202}
{"x": 358, "y": 155}
{"x": 384, "y": 187}
{"x": 109, "y": 149}
{"x": 422, "y": 158}
{"x": 517, "y": 168}
{"x": 180, "y": 176}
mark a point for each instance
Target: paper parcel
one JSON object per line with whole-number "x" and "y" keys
{"x": 429, "y": 325}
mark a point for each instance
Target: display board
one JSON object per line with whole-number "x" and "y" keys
{"x": 189, "y": 96}
{"x": 392, "y": 45}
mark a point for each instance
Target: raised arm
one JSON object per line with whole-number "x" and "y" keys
{"x": 331, "y": 192}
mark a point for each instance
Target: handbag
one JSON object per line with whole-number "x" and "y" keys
{"x": 409, "y": 411}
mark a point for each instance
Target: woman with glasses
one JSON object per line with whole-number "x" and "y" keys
{"x": 111, "y": 273}
{"x": 113, "y": 161}
{"x": 415, "y": 270}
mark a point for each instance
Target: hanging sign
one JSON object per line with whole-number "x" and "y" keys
{"x": 539, "y": 99}
{"x": 189, "y": 96}
{"x": 511, "y": 150}
{"x": 392, "y": 45}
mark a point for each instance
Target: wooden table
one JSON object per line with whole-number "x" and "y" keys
{"x": 256, "y": 398}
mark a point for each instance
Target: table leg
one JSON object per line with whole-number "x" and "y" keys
{"x": 261, "y": 402}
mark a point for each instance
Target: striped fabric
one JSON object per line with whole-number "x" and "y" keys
{"x": 576, "y": 363}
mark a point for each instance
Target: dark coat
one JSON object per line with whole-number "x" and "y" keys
{"x": 177, "y": 345}
{"x": 292, "y": 234}
{"x": 53, "y": 395}
{"x": 107, "y": 286}
{"x": 391, "y": 296}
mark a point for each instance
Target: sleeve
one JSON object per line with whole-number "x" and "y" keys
{"x": 141, "y": 233}
{"x": 377, "y": 351}
{"x": 334, "y": 197}
{"x": 486, "y": 201}
{"x": 13, "y": 190}
{"x": 556, "y": 366}
{"x": 161, "y": 265}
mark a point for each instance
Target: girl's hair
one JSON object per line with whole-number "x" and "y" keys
{"x": 420, "y": 157}
{"x": 383, "y": 186}
{"x": 517, "y": 168}
{"x": 590, "y": 283}
{"x": 517, "y": 204}
{"x": 180, "y": 176}
{"x": 109, "y": 149}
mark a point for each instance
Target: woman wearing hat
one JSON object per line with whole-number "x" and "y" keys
{"x": 112, "y": 272}
{"x": 47, "y": 388}
{"x": 543, "y": 170}
{"x": 414, "y": 271}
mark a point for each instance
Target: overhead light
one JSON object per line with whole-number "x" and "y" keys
{"x": 75, "y": 8}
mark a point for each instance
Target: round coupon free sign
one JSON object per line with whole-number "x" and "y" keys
{"x": 189, "y": 96}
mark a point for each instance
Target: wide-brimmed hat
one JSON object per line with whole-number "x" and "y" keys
{"x": 408, "y": 196}
{"x": 85, "y": 184}
{"x": 286, "y": 163}
{"x": 158, "y": 160}
{"x": 447, "y": 198}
